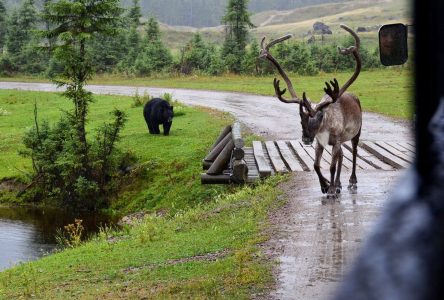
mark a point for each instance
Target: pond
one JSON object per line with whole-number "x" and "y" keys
{"x": 29, "y": 233}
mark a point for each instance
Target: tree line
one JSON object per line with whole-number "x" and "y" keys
{"x": 137, "y": 49}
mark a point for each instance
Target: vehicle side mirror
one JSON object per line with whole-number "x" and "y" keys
{"x": 393, "y": 44}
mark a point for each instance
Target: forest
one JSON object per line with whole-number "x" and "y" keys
{"x": 138, "y": 50}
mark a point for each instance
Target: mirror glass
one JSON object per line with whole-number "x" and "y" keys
{"x": 393, "y": 44}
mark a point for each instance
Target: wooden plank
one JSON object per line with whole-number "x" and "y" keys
{"x": 303, "y": 155}
{"x": 259, "y": 156}
{"x": 408, "y": 158}
{"x": 346, "y": 163}
{"x": 371, "y": 159}
{"x": 359, "y": 161}
{"x": 253, "y": 172}
{"x": 384, "y": 155}
{"x": 311, "y": 151}
{"x": 275, "y": 157}
{"x": 291, "y": 161}
{"x": 402, "y": 146}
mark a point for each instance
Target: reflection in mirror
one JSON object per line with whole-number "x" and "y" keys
{"x": 393, "y": 44}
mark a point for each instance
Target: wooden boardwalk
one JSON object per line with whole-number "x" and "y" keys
{"x": 267, "y": 158}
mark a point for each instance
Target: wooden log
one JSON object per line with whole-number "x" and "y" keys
{"x": 237, "y": 136}
{"x": 262, "y": 164}
{"x": 214, "y": 179}
{"x": 238, "y": 153}
{"x": 206, "y": 164}
{"x": 222, "y": 159}
{"x": 240, "y": 171}
{"x": 218, "y": 149}
{"x": 223, "y": 133}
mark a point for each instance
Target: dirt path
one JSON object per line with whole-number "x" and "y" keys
{"x": 315, "y": 239}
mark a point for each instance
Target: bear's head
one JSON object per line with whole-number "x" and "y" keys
{"x": 167, "y": 116}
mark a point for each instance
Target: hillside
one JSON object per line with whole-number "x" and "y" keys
{"x": 299, "y": 21}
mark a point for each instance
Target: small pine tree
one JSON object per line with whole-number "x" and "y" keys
{"x": 237, "y": 22}
{"x": 69, "y": 168}
{"x": 3, "y": 24}
{"x": 153, "y": 56}
{"x": 135, "y": 13}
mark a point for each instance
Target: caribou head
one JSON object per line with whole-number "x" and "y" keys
{"x": 337, "y": 118}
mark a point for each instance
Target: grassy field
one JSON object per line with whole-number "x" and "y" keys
{"x": 208, "y": 252}
{"x": 172, "y": 163}
{"x": 385, "y": 91}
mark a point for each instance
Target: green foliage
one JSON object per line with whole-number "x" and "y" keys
{"x": 3, "y": 25}
{"x": 140, "y": 100}
{"x": 152, "y": 31}
{"x": 134, "y": 13}
{"x": 237, "y": 22}
{"x": 67, "y": 167}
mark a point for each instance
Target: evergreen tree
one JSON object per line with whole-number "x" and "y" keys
{"x": 134, "y": 13}
{"x": 237, "y": 22}
{"x": 67, "y": 166}
{"x": 152, "y": 30}
{"x": 3, "y": 23}
{"x": 154, "y": 56}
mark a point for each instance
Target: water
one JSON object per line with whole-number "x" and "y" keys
{"x": 29, "y": 233}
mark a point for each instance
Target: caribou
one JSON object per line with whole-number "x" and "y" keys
{"x": 336, "y": 119}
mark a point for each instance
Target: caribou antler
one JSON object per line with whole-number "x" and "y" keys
{"x": 265, "y": 53}
{"x": 354, "y": 50}
{"x": 335, "y": 93}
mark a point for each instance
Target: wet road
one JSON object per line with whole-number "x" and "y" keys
{"x": 317, "y": 238}
{"x": 265, "y": 116}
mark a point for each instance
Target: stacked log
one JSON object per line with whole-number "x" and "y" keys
{"x": 225, "y": 162}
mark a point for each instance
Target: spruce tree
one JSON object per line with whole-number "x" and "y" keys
{"x": 237, "y": 22}
{"x": 153, "y": 56}
{"x": 68, "y": 167}
{"x": 135, "y": 13}
{"x": 3, "y": 19}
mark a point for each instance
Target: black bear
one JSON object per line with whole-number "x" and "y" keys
{"x": 156, "y": 112}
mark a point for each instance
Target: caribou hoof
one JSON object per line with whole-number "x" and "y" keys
{"x": 338, "y": 190}
{"x": 325, "y": 189}
{"x": 353, "y": 186}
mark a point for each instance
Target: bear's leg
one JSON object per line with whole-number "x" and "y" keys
{"x": 156, "y": 129}
{"x": 150, "y": 129}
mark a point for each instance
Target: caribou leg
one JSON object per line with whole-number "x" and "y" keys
{"x": 353, "y": 180}
{"x": 336, "y": 165}
{"x": 317, "y": 166}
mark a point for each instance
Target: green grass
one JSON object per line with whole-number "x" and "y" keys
{"x": 172, "y": 164}
{"x": 209, "y": 251}
{"x": 386, "y": 91}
